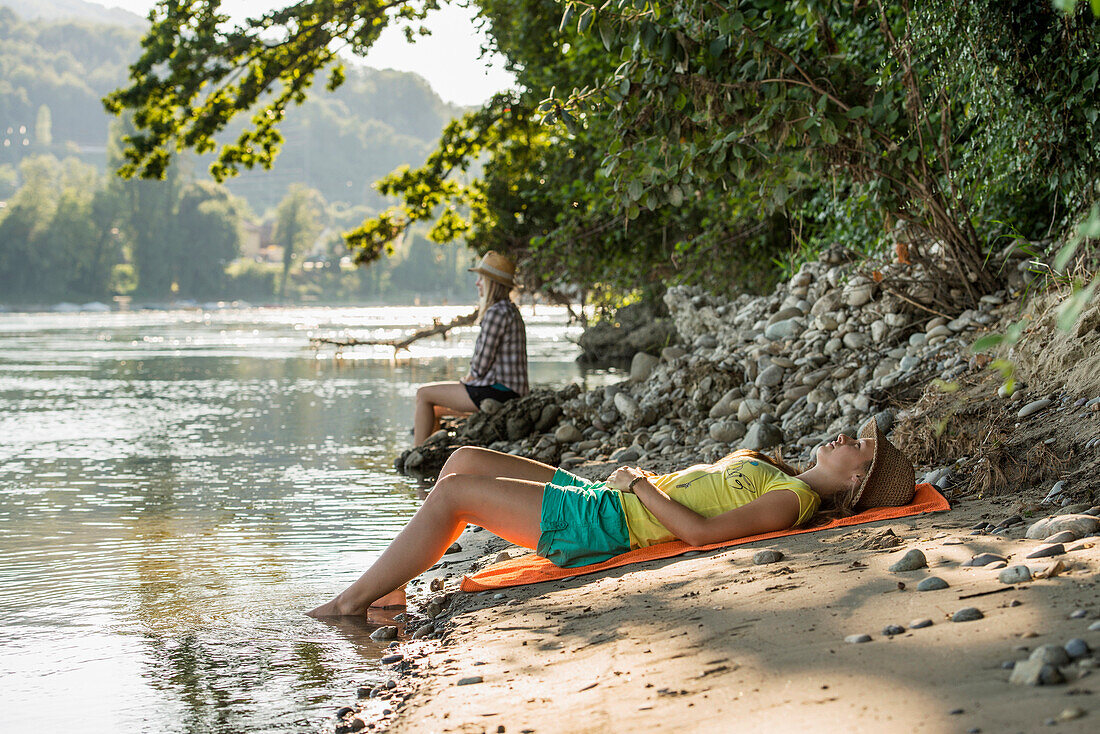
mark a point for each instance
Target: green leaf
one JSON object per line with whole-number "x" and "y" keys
{"x": 607, "y": 33}
{"x": 986, "y": 342}
{"x": 854, "y": 112}
{"x": 585, "y": 20}
{"x": 567, "y": 17}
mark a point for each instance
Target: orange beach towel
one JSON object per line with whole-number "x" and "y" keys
{"x": 531, "y": 569}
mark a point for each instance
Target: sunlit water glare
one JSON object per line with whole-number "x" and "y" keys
{"x": 177, "y": 487}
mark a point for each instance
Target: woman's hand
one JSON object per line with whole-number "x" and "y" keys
{"x": 621, "y": 478}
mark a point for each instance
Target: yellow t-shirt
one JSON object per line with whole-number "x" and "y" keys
{"x": 711, "y": 489}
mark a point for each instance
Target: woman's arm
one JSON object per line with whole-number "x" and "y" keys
{"x": 488, "y": 342}
{"x": 776, "y": 510}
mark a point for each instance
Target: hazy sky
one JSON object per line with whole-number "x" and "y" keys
{"x": 448, "y": 58}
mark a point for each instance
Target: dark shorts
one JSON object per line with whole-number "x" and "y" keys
{"x": 582, "y": 522}
{"x": 478, "y": 393}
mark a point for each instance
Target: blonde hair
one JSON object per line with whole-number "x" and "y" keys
{"x": 494, "y": 291}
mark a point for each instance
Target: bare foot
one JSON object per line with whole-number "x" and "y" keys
{"x": 334, "y": 608}
{"x": 393, "y": 600}
{"x": 339, "y": 607}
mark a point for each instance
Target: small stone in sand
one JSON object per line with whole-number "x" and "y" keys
{"x": 1014, "y": 575}
{"x": 932, "y": 583}
{"x": 1066, "y": 536}
{"x": 917, "y": 624}
{"x": 1047, "y": 551}
{"x": 388, "y": 659}
{"x": 892, "y": 629}
{"x": 455, "y": 548}
{"x": 436, "y": 584}
{"x": 423, "y": 630}
{"x": 956, "y": 712}
{"x": 363, "y": 691}
{"x": 984, "y": 559}
{"x": 967, "y": 614}
{"x": 1077, "y": 648}
{"x": 911, "y": 561}
{"x": 1079, "y": 614}
{"x": 1033, "y": 407}
{"x": 1035, "y": 673}
{"x": 855, "y": 639}
{"x": 1073, "y": 712}
{"x": 342, "y": 712}
{"x": 469, "y": 681}
{"x": 502, "y": 557}
{"x": 1095, "y": 626}
{"x": 384, "y": 633}
{"x": 499, "y": 596}
{"x": 766, "y": 556}
{"x": 1053, "y": 654}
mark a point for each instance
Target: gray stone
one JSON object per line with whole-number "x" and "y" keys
{"x": 1035, "y": 673}
{"x": 932, "y": 583}
{"x": 627, "y": 454}
{"x": 855, "y": 340}
{"x": 967, "y": 614}
{"x": 1052, "y": 654}
{"x": 762, "y": 557}
{"x": 1095, "y": 626}
{"x": 1082, "y": 525}
{"x": 470, "y": 680}
{"x": 984, "y": 559}
{"x": 1047, "y": 551}
{"x": 786, "y": 329}
{"x": 1014, "y": 575}
{"x": 750, "y": 410}
{"x": 856, "y": 639}
{"x": 628, "y": 407}
{"x": 770, "y": 376}
{"x": 642, "y": 366}
{"x": 1079, "y": 614}
{"x": 1077, "y": 648}
{"x": 917, "y": 624}
{"x": 761, "y": 435}
{"x": 858, "y": 292}
{"x": 672, "y": 353}
{"x": 1066, "y": 536}
{"x": 911, "y": 561}
{"x": 727, "y": 404}
{"x": 1033, "y": 407}
{"x": 1054, "y": 492}
{"x": 726, "y": 431}
{"x": 892, "y": 629}
{"x": 384, "y": 633}
{"x": 568, "y": 433}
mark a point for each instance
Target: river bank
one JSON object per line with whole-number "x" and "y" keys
{"x": 715, "y": 638}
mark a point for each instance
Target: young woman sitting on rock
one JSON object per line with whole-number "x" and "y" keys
{"x": 573, "y": 522}
{"x": 498, "y": 368}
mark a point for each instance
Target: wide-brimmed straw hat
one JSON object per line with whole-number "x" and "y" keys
{"x": 890, "y": 480}
{"x": 497, "y": 267}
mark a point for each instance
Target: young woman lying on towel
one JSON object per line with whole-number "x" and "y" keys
{"x": 574, "y": 522}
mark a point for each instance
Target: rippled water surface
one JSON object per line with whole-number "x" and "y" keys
{"x": 176, "y": 487}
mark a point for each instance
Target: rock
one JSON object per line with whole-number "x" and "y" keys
{"x": 568, "y": 433}
{"x": 382, "y": 634}
{"x": 628, "y": 407}
{"x": 423, "y": 631}
{"x": 470, "y": 680}
{"x": 858, "y": 291}
{"x": 770, "y": 376}
{"x": 967, "y": 614}
{"x": 750, "y": 410}
{"x": 1071, "y": 713}
{"x": 626, "y": 454}
{"x": 1066, "y": 536}
{"x": 762, "y": 557}
{"x": 1095, "y": 626}
{"x": 761, "y": 436}
{"x": 1047, "y": 551}
{"x": 1052, "y": 654}
{"x": 1033, "y": 407}
{"x": 516, "y": 427}
{"x": 672, "y": 353}
{"x": 932, "y": 583}
{"x": 390, "y": 659}
{"x": 453, "y": 548}
{"x": 502, "y": 557}
{"x": 892, "y": 629}
{"x": 1054, "y": 492}
{"x": 1079, "y": 614}
{"x": 726, "y": 431}
{"x": 490, "y": 406}
{"x": 642, "y": 366}
{"x": 414, "y": 459}
{"x": 917, "y": 624}
{"x": 1077, "y": 648}
{"x": 856, "y": 639}
{"x": 727, "y": 404}
{"x": 984, "y": 559}
{"x": 1082, "y": 525}
{"x": 786, "y": 329}
{"x": 911, "y": 561}
{"x": 1035, "y": 673}
{"x": 855, "y": 340}
{"x": 1014, "y": 575}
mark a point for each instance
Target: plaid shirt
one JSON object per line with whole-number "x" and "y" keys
{"x": 500, "y": 354}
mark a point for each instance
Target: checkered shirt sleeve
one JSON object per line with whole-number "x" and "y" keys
{"x": 500, "y": 354}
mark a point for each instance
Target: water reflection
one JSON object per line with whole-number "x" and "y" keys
{"x": 175, "y": 488}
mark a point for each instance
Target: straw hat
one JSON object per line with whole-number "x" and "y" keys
{"x": 890, "y": 480}
{"x": 497, "y": 267}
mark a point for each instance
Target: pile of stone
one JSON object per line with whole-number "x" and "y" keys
{"x": 825, "y": 350}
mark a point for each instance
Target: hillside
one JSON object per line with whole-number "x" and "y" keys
{"x": 59, "y": 57}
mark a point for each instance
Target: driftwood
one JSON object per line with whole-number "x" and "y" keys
{"x": 397, "y": 344}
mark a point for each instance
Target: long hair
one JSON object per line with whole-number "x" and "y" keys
{"x": 834, "y": 506}
{"x": 494, "y": 292}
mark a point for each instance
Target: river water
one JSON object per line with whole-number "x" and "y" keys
{"x": 177, "y": 487}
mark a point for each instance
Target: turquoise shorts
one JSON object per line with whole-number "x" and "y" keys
{"x": 582, "y": 522}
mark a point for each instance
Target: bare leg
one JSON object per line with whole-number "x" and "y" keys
{"x": 489, "y": 463}
{"x": 447, "y": 395}
{"x": 511, "y": 508}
